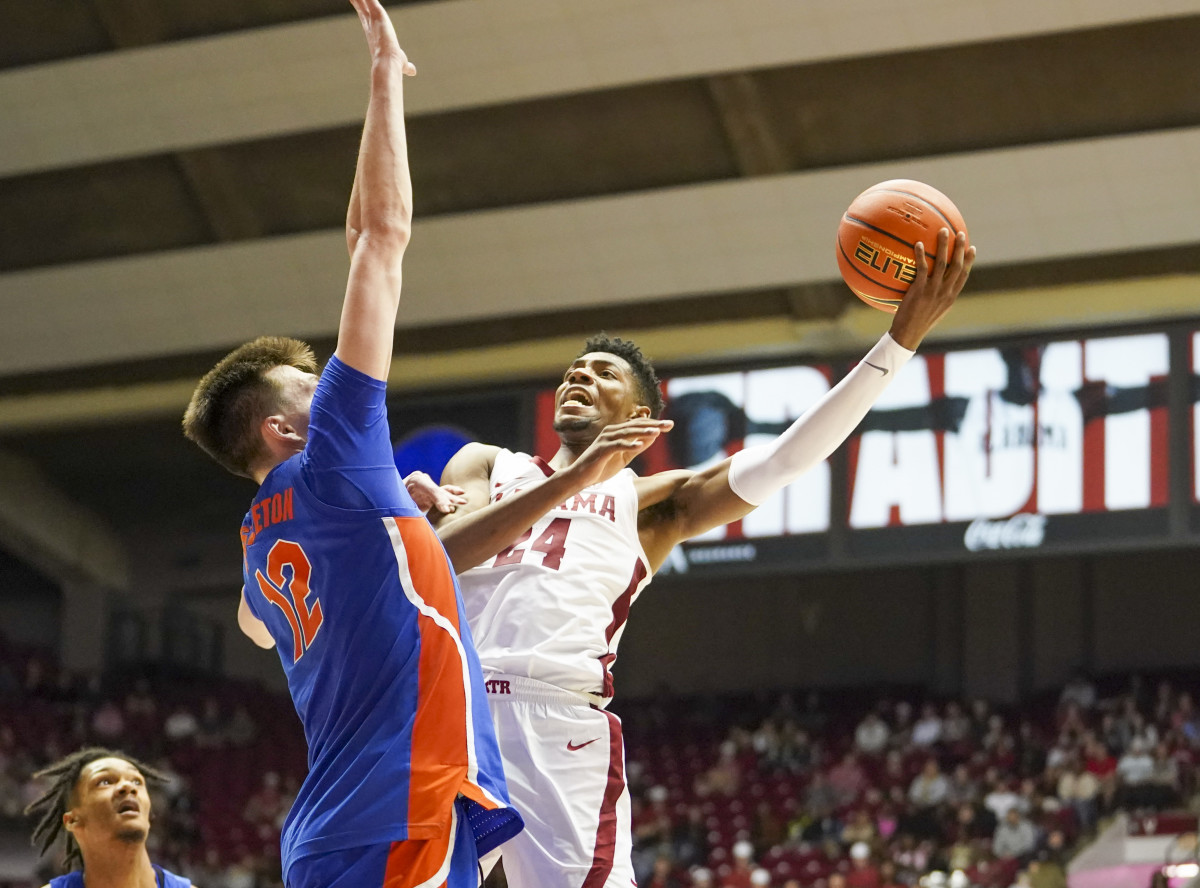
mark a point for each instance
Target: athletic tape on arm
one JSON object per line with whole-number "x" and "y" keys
{"x": 758, "y": 472}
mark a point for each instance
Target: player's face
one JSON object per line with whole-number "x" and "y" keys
{"x": 597, "y": 390}
{"x": 110, "y": 802}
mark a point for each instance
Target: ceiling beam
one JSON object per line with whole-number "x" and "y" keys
{"x": 213, "y": 183}
{"x": 758, "y": 151}
{"x": 129, "y": 23}
{"x": 1084, "y": 198}
{"x": 311, "y": 75}
{"x": 756, "y": 146}
{"x": 54, "y": 534}
{"x": 207, "y": 174}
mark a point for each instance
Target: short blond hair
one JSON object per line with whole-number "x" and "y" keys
{"x": 236, "y": 395}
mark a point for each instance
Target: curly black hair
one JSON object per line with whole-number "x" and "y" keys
{"x": 649, "y": 392}
{"x": 51, "y": 805}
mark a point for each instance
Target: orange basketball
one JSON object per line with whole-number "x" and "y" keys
{"x": 878, "y": 234}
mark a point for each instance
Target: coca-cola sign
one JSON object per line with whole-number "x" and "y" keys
{"x": 1024, "y": 531}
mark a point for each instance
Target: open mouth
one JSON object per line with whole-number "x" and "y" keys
{"x": 576, "y": 396}
{"x": 129, "y": 806}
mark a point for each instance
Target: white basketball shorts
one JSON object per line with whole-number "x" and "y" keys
{"x": 565, "y": 764}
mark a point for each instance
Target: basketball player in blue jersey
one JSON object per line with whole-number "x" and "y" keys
{"x": 98, "y": 798}
{"x": 551, "y": 556}
{"x": 346, "y": 578}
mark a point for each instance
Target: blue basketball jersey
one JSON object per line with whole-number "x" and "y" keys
{"x": 357, "y": 591}
{"x": 165, "y": 879}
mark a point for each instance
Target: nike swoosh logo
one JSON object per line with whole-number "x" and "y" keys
{"x": 882, "y": 370}
{"x": 572, "y": 747}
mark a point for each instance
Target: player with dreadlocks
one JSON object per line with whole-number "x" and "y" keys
{"x": 98, "y": 798}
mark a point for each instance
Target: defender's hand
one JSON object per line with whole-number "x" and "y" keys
{"x": 934, "y": 290}
{"x": 428, "y": 495}
{"x": 615, "y": 447}
{"x": 381, "y": 35}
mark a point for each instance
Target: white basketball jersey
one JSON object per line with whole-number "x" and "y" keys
{"x": 553, "y": 605}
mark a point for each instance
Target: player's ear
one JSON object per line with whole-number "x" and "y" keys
{"x": 70, "y": 820}
{"x": 278, "y": 429}
{"x": 640, "y": 411}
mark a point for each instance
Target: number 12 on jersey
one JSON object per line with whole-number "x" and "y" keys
{"x": 291, "y": 596}
{"x": 552, "y": 543}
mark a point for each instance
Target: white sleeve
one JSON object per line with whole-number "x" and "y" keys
{"x": 758, "y": 472}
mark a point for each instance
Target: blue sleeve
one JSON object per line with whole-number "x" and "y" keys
{"x": 347, "y": 461}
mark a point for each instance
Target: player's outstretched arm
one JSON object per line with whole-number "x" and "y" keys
{"x": 735, "y": 487}
{"x": 379, "y": 218}
{"x": 473, "y": 533}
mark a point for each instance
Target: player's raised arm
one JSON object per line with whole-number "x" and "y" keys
{"x": 736, "y": 486}
{"x": 379, "y": 219}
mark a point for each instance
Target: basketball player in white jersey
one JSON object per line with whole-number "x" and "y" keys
{"x": 550, "y": 557}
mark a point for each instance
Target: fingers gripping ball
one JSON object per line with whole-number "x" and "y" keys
{"x": 877, "y": 236}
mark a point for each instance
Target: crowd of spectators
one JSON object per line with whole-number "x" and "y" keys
{"x": 894, "y": 791}
{"x": 233, "y": 756}
{"x": 851, "y": 791}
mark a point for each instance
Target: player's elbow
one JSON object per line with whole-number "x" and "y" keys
{"x": 389, "y": 233}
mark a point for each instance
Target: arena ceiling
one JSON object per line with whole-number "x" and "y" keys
{"x": 173, "y": 181}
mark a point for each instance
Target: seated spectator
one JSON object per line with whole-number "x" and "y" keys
{"x": 956, "y": 727}
{"x": 108, "y": 725}
{"x": 767, "y": 829}
{"x": 1031, "y": 749}
{"x": 902, "y": 725}
{"x": 1164, "y": 702}
{"x": 266, "y": 802}
{"x": 1080, "y": 691}
{"x": 689, "y": 838}
{"x": 910, "y": 856}
{"x": 242, "y": 729}
{"x": 1186, "y": 720}
{"x": 962, "y": 788}
{"x": 974, "y": 821}
{"x": 1079, "y": 789}
{"x": 930, "y": 787}
{"x": 859, "y": 828}
{"x": 820, "y": 795}
{"x": 180, "y": 725}
{"x": 723, "y": 778}
{"x": 961, "y": 855}
{"x": 1164, "y": 778}
{"x": 797, "y": 752}
{"x": 766, "y": 743}
{"x": 1134, "y": 771}
{"x": 1015, "y": 838}
{"x": 872, "y": 735}
{"x": 980, "y": 715}
{"x": 888, "y": 876}
{"x": 141, "y": 711}
{"x": 1046, "y": 874}
{"x": 928, "y": 729}
{"x": 210, "y": 733}
{"x": 743, "y": 867}
{"x": 1103, "y": 766}
{"x": 894, "y": 771}
{"x": 1001, "y": 799}
{"x": 847, "y": 779}
{"x": 662, "y": 876}
{"x": 863, "y": 872}
{"x": 1061, "y": 752}
{"x": 1072, "y": 721}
